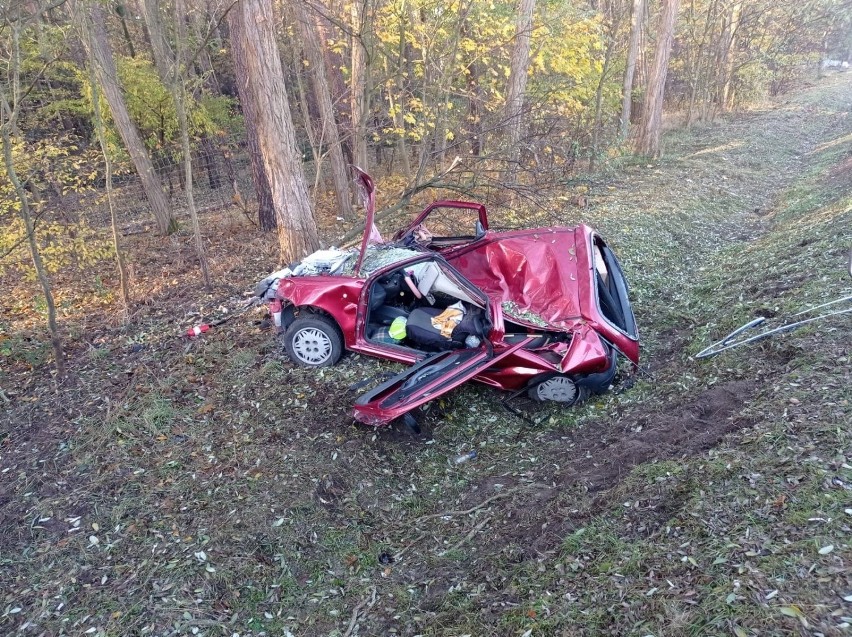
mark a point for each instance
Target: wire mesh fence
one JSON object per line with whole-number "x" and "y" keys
{"x": 221, "y": 176}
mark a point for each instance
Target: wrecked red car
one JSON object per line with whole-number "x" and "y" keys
{"x": 543, "y": 310}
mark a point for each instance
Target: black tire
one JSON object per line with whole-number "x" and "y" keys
{"x": 313, "y": 341}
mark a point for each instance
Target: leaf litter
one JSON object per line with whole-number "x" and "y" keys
{"x": 233, "y": 494}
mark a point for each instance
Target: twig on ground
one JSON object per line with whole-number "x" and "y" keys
{"x": 467, "y": 537}
{"x": 400, "y": 553}
{"x": 357, "y": 610}
{"x": 481, "y": 505}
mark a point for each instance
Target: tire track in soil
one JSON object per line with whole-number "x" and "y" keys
{"x": 592, "y": 465}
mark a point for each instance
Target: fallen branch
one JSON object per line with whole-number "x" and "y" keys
{"x": 467, "y": 537}
{"x": 484, "y": 503}
{"x": 434, "y": 182}
{"x": 357, "y": 610}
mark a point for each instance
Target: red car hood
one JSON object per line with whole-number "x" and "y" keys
{"x": 536, "y": 271}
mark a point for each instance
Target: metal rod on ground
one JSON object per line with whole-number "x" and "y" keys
{"x": 715, "y": 348}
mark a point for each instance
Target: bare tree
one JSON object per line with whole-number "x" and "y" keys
{"x": 174, "y": 73}
{"x": 517, "y": 86}
{"x": 100, "y": 131}
{"x": 725, "y": 54}
{"x": 648, "y": 140}
{"x": 95, "y": 40}
{"x": 359, "y": 89}
{"x": 252, "y": 28}
{"x": 612, "y": 17}
{"x": 329, "y": 135}
{"x": 10, "y": 104}
{"x": 630, "y": 68}
{"x": 180, "y": 71}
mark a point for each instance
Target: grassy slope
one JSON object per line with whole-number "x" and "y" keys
{"x": 214, "y": 488}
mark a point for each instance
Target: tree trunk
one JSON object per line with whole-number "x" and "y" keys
{"x": 8, "y": 123}
{"x": 596, "y": 127}
{"x": 41, "y": 273}
{"x": 263, "y": 192}
{"x": 208, "y": 161}
{"x": 101, "y": 135}
{"x": 334, "y": 65}
{"x": 696, "y": 64}
{"x": 105, "y": 71}
{"x": 726, "y": 65}
{"x": 179, "y": 72}
{"x": 159, "y": 46}
{"x": 474, "y": 101}
{"x": 120, "y": 10}
{"x": 330, "y": 135}
{"x": 252, "y": 28}
{"x": 197, "y": 21}
{"x": 358, "y": 87}
{"x": 517, "y": 86}
{"x": 445, "y": 86}
{"x": 630, "y": 69}
{"x": 395, "y": 87}
{"x": 648, "y": 141}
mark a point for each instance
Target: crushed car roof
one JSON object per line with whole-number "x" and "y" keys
{"x": 533, "y": 274}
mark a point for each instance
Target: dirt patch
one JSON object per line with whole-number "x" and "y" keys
{"x": 681, "y": 430}
{"x": 539, "y": 518}
{"x": 840, "y": 176}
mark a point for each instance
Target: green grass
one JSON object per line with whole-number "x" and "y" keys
{"x": 221, "y": 446}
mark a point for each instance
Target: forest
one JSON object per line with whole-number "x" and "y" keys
{"x": 162, "y": 156}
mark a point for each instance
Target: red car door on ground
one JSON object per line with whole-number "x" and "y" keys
{"x": 427, "y": 380}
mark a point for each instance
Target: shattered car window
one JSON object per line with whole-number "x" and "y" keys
{"x": 378, "y": 256}
{"x": 511, "y": 309}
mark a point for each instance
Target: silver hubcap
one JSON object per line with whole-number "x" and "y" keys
{"x": 558, "y": 388}
{"x": 312, "y": 346}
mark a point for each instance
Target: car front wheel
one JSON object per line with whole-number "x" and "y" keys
{"x": 313, "y": 342}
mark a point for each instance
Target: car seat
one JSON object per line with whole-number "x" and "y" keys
{"x": 421, "y": 330}
{"x": 383, "y": 290}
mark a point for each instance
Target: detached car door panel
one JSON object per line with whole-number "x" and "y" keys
{"x": 427, "y": 380}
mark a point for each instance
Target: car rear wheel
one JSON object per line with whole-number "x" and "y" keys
{"x": 313, "y": 342}
{"x": 559, "y": 389}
